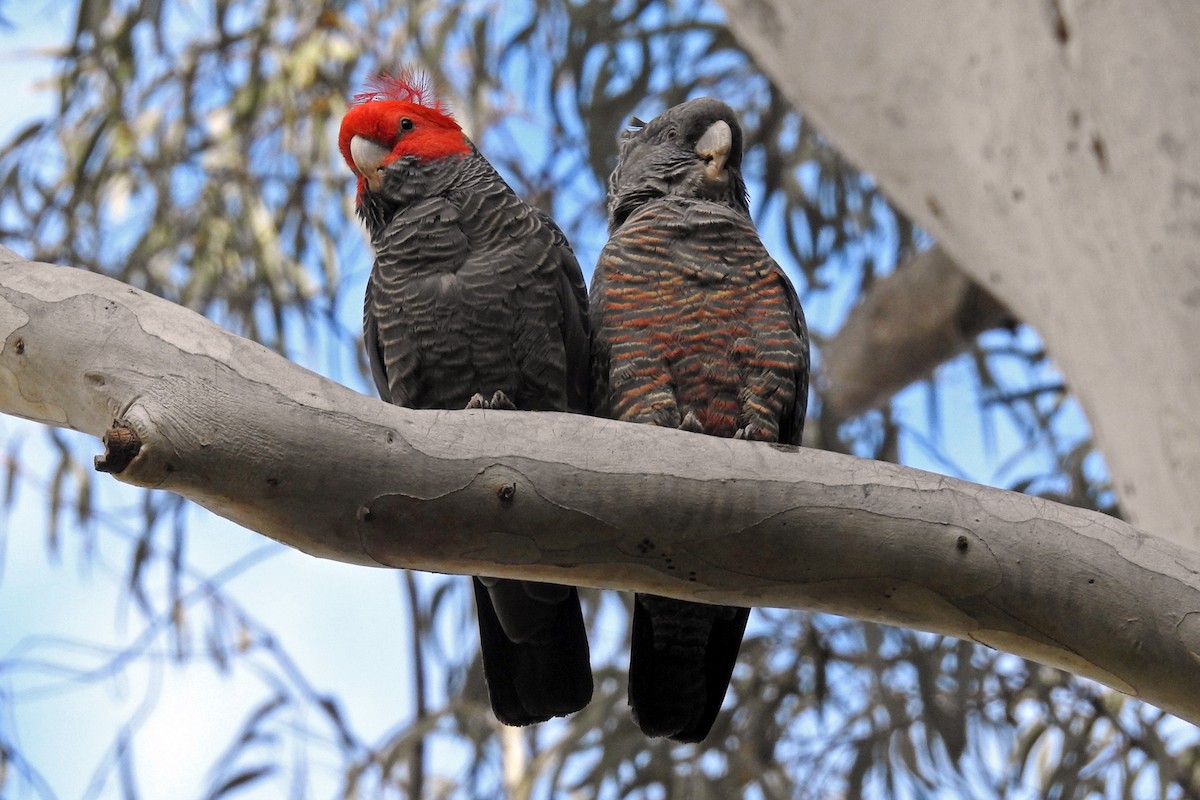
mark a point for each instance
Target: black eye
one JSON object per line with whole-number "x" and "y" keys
{"x": 672, "y": 134}
{"x": 406, "y": 124}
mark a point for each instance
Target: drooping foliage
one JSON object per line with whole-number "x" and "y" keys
{"x": 192, "y": 152}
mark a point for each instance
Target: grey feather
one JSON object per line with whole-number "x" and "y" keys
{"x": 476, "y": 292}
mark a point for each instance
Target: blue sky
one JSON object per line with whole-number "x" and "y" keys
{"x": 68, "y": 608}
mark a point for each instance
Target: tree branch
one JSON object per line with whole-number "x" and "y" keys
{"x": 546, "y": 496}
{"x": 1047, "y": 147}
{"x": 910, "y": 322}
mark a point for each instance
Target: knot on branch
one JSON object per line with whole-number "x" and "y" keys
{"x": 121, "y": 446}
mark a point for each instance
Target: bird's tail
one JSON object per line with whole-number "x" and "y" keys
{"x": 535, "y": 649}
{"x": 680, "y": 663}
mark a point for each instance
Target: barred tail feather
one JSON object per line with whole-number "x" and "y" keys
{"x": 680, "y": 664}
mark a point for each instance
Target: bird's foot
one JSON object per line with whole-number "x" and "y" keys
{"x": 690, "y": 423}
{"x": 499, "y": 402}
{"x": 754, "y": 433}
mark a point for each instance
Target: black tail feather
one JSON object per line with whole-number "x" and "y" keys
{"x": 681, "y": 660}
{"x": 548, "y": 672}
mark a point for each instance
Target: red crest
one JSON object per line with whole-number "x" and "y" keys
{"x": 409, "y": 85}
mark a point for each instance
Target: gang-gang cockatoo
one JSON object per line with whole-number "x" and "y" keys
{"x": 475, "y": 300}
{"x": 694, "y": 326}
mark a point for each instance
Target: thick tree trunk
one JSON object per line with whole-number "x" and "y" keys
{"x": 1051, "y": 147}
{"x": 190, "y": 408}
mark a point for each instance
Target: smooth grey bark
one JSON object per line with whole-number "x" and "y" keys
{"x": 285, "y": 452}
{"x": 1052, "y": 149}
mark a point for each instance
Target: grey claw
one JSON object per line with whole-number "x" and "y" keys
{"x": 501, "y": 402}
{"x": 754, "y": 433}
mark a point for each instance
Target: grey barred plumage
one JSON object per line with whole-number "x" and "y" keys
{"x": 475, "y": 299}
{"x": 472, "y": 288}
{"x": 695, "y": 326}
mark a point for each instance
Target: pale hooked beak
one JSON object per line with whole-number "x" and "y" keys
{"x": 714, "y": 147}
{"x": 368, "y": 157}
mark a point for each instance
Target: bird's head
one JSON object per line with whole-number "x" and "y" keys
{"x": 397, "y": 117}
{"x": 691, "y": 150}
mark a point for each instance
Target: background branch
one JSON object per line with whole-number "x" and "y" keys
{"x": 907, "y": 324}
{"x": 283, "y": 451}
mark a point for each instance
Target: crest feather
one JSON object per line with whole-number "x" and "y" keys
{"x": 409, "y": 85}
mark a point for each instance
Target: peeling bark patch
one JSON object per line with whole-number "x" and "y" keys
{"x": 121, "y": 446}
{"x": 1100, "y": 151}
{"x": 967, "y": 573}
{"x": 416, "y": 531}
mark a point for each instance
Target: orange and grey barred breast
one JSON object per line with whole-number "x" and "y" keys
{"x": 690, "y": 314}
